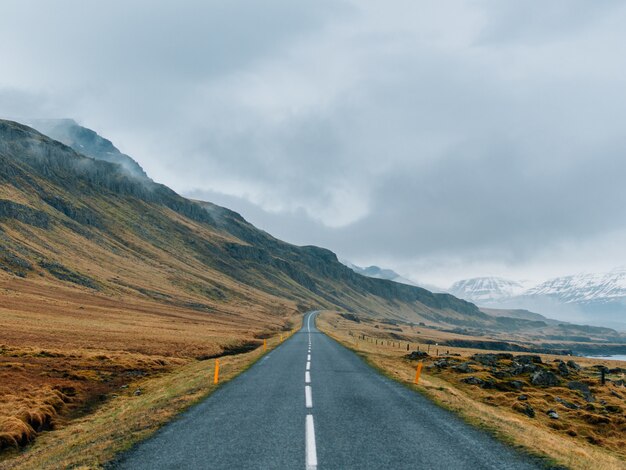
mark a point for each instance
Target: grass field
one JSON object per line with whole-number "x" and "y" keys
{"x": 68, "y": 354}
{"x": 590, "y": 436}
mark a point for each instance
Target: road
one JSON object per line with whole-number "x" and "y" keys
{"x": 311, "y": 403}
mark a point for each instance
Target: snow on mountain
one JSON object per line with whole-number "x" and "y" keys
{"x": 591, "y": 298}
{"x": 486, "y": 290}
{"x": 584, "y": 288}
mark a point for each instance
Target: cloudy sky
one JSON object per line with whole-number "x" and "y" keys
{"x": 444, "y": 139}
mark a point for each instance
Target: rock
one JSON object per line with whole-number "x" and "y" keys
{"x": 567, "y": 404}
{"x": 613, "y": 409}
{"x": 525, "y": 409}
{"x": 464, "y": 368}
{"x": 522, "y": 397}
{"x": 507, "y": 356}
{"x": 488, "y": 384}
{"x": 138, "y": 392}
{"x": 552, "y": 414}
{"x": 486, "y": 359}
{"x": 529, "y": 411}
{"x": 441, "y": 364}
{"x": 124, "y": 386}
{"x": 519, "y": 369}
{"x": 617, "y": 370}
{"x": 473, "y": 381}
{"x": 544, "y": 378}
{"x": 516, "y": 384}
{"x": 563, "y": 369}
{"x": 573, "y": 365}
{"x": 500, "y": 374}
{"x": 615, "y": 394}
{"x": 528, "y": 359}
{"x": 416, "y": 355}
{"x": 620, "y": 383}
{"x": 512, "y": 386}
{"x": 583, "y": 388}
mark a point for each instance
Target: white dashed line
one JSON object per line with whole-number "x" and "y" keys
{"x": 308, "y": 397}
{"x": 307, "y": 377}
{"x": 311, "y": 451}
{"x": 308, "y": 357}
{"x": 308, "y": 366}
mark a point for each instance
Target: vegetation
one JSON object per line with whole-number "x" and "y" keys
{"x": 562, "y": 423}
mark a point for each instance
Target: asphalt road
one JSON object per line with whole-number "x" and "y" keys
{"x": 311, "y": 403}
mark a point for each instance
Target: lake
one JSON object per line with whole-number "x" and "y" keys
{"x": 618, "y": 357}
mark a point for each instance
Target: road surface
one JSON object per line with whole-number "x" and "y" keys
{"x": 313, "y": 404}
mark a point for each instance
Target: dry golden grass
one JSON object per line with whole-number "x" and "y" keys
{"x": 64, "y": 350}
{"x": 95, "y": 439}
{"x": 580, "y": 439}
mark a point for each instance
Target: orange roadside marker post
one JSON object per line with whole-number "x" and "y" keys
{"x": 418, "y": 372}
{"x": 264, "y": 345}
{"x": 216, "y": 376}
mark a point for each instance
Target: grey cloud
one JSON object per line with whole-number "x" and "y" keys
{"x": 495, "y": 136}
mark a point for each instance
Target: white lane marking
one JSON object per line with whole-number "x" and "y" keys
{"x": 311, "y": 451}
{"x": 308, "y": 366}
{"x": 308, "y": 357}
{"x": 308, "y": 397}
{"x": 307, "y": 377}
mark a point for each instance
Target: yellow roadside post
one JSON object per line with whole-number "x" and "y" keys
{"x": 281, "y": 338}
{"x": 418, "y": 372}
{"x": 216, "y": 376}
{"x": 264, "y": 345}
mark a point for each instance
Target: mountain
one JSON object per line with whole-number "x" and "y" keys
{"x": 82, "y": 215}
{"x": 592, "y": 298}
{"x": 596, "y": 298}
{"x": 87, "y": 142}
{"x": 486, "y": 290}
{"x": 586, "y": 288}
{"x": 379, "y": 273}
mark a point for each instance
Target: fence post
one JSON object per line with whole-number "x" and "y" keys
{"x": 418, "y": 372}
{"x": 216, "y": 375}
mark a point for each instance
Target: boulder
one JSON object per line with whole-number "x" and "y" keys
{"x": 552, "y": 414}
{"x": 544, "y": 378}
{"x": 528, "y": 359}
{"x": 525, "y": 408}
{"x": 441, "y": 364}
{"x": 522, "y": 397}
{"x": 583, "y": 388}
{"x": 463, "y": 368}
{"x": 486, "y": 359}
{"x": 573, "y": 365}
{"x": 567, "y": 404}
{"x": 563, "y": 369}
{"x": 416, "y": 355}
{"x": 473, "y": 381}
{"x": 512, "y": 386}
{"x": 500, "y": 374}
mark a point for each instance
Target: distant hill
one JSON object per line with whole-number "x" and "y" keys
{"x": 85, "y": 215}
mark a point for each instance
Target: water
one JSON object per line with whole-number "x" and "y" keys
{"x": 617, "y": 357}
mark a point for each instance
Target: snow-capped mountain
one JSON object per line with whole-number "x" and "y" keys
{"x": 593, "y": 298}
{"x": 486, "y": 290}
{"x": 585, "y": 288}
